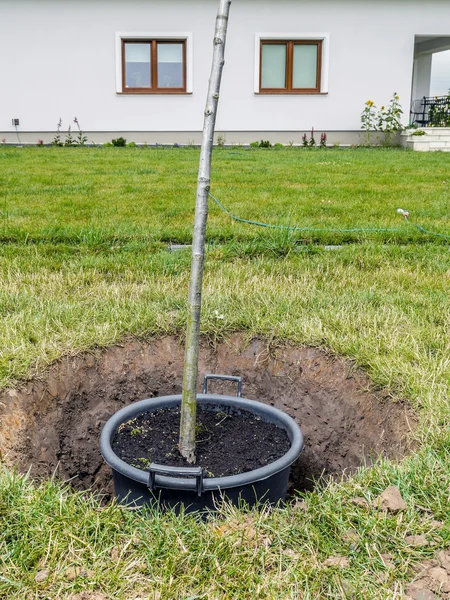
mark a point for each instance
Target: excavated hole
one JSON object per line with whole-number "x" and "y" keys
{"x": 53, "y": 424}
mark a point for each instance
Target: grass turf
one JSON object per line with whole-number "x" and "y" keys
{"x": 84, "y": 263}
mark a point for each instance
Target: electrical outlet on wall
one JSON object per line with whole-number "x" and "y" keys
{"x": 15, "y": 122}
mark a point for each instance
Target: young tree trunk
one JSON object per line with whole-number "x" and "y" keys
{"x": 189, "y": 395}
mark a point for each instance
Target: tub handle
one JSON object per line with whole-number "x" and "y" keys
{"x": 238, "y": 380}
{"x": 196, "y": 472}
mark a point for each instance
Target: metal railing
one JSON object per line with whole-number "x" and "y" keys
{"x": 433, "y": 111}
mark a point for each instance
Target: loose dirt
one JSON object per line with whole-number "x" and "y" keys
{"x": 52, "y": 424}
{"x": 227, "y": 443}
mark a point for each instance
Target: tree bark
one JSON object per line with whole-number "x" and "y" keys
{"x": 190, "y": 376}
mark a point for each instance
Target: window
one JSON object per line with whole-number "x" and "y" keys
{"x": 290, "y": 66}
{"x": 153, "y": 66}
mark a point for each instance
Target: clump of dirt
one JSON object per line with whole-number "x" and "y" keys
{"x": 53, "y": 424}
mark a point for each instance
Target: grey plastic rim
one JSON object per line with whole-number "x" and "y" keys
{"x": 269, "y": 413}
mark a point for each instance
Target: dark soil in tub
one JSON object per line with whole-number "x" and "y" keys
{"x": 228, "y": 443}
{"x": 53, "y": 424}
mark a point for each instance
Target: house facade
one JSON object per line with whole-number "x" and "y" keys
{"x": 139, "y": 68}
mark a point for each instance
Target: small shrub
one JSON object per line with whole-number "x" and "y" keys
{"x": 312, "y": 141}
{"x": 261, "y": 144}
{"x": 419, "y": 132}
{"x": 278, "y": 146}
{"x": 305, "y": 140}
{"x": 323, "y": 140}
{"x": 119, "y": 142}
{"x": 132, "y": 145}
{"x": 108, "y": 145}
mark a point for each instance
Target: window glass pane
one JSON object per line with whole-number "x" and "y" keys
{"x": 305, "y": 66}
{"x": 170, "y": 66}
{"x": 273, "y": 69}
{"x": 137, "y": 65}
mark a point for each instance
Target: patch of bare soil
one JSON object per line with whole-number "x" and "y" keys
{"x": 53, "y": 424}
{"x": 433, "y": 578}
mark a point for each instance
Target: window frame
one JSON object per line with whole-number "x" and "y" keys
{"x": 290, "y": 39}
{"x": 289, "y": 89}
{"x": 153, "y": 39}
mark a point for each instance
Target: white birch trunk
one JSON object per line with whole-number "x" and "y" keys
{"x": 189, "y": 395}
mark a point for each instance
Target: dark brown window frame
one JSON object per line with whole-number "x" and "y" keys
{"x": 154, "y": 66}
{"x": 289, "y": 67}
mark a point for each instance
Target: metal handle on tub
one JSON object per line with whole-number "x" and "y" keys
{"x": 238, "y": 380}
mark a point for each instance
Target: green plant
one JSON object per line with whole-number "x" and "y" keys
{"x": 221, "y": 140}
{"x": 132, "y": 145}
{"x": 389, "y": 120}
{"x": 108, "y": 145}
{"x": 312, "y": 140}
{"x": 81, "y": 139}
{"x": 70, "y": 140}
{"x": 369, "y": 119}
{"x": 305, "y": 140}
{"x": 261, "y": 144}
{"x": 119, "y": 142}
{"x": 439, "y": 113}
{"x": 57, "y": 139}
{"x": 323, "y": 140}
{"x": 278, "y": 146}
{"x": 419, "y": 132}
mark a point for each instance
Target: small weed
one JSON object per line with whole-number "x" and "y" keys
{"x": 70, "y": 140}
{"x": 143, "y": 463}
{"x": 221, "y": 140}
{"x": 57, "y": 139}
{"x": 81, "y": 139}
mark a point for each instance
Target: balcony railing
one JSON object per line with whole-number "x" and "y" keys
{"x": 431, "y": 112}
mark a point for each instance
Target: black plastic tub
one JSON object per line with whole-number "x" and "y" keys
{"x": 173, "y": 486}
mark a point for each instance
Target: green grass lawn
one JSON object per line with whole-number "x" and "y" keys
{"x": 84, "y": 263}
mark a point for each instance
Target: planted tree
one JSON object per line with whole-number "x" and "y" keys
{"x": 190, "y": 376}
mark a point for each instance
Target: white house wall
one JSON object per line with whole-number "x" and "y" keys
{"x": 58, "y": 59}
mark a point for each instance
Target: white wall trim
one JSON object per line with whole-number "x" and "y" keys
{"x": 138, "y": 35}
{"x": 325, "y": 37}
